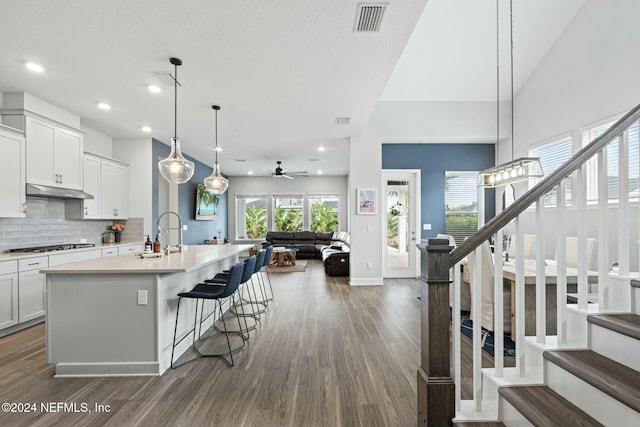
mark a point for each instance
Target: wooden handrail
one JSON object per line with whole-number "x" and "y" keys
{"x": 543, "y": 187}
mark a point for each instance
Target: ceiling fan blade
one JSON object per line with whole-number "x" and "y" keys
{"x": 286, "y": 176}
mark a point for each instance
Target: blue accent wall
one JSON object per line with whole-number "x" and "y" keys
{"x": 198, "y": 231}
{"x": 433, "y": 160}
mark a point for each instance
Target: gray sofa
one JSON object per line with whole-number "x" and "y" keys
{"x": 332, "y": 248}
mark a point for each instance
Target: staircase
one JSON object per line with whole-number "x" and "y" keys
{"x": 586, "y": 374}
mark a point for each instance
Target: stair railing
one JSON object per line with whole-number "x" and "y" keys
{"x": 439, "y": 397}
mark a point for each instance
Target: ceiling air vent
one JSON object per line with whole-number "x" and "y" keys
{"x": 165, "y": 78}
{"x": 369, "y": 16}
{"x": 343, "y": 120}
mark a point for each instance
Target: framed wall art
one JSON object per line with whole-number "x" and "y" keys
{"x": 366, "y": 201}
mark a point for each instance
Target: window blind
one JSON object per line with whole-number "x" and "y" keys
{"x": 461, "y": 204}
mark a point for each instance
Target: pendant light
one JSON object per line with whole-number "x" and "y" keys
{"x": 175, "y": 168}
{"x": 520, "y": 169}
{"x": 216, "y": 183}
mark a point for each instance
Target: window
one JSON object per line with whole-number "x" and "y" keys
{"x": 324, "y": 212}
{"x": 287, "y": 213}
{"x": 460, "y": 204}
{"x": 613, "y": 175}
{"x": 552, "y": 155}
{"x": 251, "y": 222}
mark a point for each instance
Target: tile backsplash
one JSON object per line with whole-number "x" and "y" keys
{"x": 46, "y": 224}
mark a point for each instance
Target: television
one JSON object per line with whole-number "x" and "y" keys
{"x": 206, "y": 204}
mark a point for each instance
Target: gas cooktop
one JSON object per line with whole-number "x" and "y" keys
{"x": 53, "y": 248}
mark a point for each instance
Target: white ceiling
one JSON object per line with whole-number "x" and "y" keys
{"x": 282, "y": 70}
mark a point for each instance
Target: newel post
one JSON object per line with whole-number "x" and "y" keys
{"x": 436, "y": 389}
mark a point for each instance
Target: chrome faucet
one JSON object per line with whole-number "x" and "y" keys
{"x": 160, "y": 230}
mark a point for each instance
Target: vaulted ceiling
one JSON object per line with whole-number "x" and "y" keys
{"x": 283, "y": 70}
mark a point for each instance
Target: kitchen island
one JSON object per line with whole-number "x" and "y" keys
{"x": 115, "y": 316}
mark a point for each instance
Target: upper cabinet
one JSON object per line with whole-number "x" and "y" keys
{"x": 114, "y": 190}
{"x": 106, "y": 180}
{"x": 12, "y": 175}
{"x": 91, "y": 208}
{"x": 54, "y": 154}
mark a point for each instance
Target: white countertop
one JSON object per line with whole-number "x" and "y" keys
{"x": 194, "y": 257}
{"x": 9, "y": 256}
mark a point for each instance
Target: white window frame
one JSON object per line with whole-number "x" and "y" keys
{"x": 240, "y": 222}
{"x": 550, "y": 198}
{"x": 314, "y": 196}
{"x": 588, "y": 134}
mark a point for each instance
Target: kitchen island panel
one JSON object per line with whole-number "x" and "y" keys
{"x": 95, "y": 326}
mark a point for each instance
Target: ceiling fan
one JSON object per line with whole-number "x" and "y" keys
{"x": 283, "y": 173}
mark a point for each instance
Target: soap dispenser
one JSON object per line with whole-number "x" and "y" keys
{"x": 148, "y": 246}
{"x": 156, "y": 244}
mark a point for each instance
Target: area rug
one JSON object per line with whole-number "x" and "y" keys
{"x": 487, "y": 337}
{"x": 301, "y": 265}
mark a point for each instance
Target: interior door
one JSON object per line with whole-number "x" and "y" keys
{"x": 401, "y": 201}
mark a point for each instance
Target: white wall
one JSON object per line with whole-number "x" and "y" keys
{"x": 137, "y": 153}
{"x": 96, "y": 142}
{"x": 419, "y": 122}
{"x": 270, "y": 186}
{"x": 590, "y": 74}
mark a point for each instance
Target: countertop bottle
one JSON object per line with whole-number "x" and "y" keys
{"x": 148, "y": 245}
{"x": 156, "y": 244}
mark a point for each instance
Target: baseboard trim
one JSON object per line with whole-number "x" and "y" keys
{"x": 371, "y": 281}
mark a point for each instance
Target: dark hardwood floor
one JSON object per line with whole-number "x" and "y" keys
{"x": 324, "y": 354}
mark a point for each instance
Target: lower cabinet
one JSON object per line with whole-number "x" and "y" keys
{"x": 31, "y": 296}
{"x": 8, "y": 294}
{"x": 31, "y": 286}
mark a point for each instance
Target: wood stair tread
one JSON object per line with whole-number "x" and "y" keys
{"x": 626, "y": 324}
{"x": 613, "y": 378}
{"x": 544, "y": 407}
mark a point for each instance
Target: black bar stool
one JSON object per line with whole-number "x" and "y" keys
{"x": 216, "y": 292}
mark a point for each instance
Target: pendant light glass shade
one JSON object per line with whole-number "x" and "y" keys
{"x": 216, "y": 183}
{"x": 509, "y": 173}
{"x": 175, "y": 168}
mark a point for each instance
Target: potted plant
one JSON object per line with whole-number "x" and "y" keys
{"x": 117, "y": 228}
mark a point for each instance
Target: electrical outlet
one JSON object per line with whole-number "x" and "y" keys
{"x": 426, "y": 227}
{"x": 185, "y": 227}
{"x": 142, "y": 297}
{"x": 369, "y": 265}
{"x": 83, "y": 240}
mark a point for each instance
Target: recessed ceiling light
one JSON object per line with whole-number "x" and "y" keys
{"x": 319, "y": 172}
{"x": 154, "y": 89}
{"x": 218, "y": 149}
{"x": 145, "y": 129}
{"x": 104, "y": 106}
{"x": 36, "y": 68}
{"x": 321, "y": 148}
{"x": 250, "y": 173}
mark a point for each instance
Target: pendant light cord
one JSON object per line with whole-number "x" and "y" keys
{"x": 216, "y": 110}
{"x": 512, "y": 99}
{"x": 175, "y": 102}
{"x": 498, "y": 79}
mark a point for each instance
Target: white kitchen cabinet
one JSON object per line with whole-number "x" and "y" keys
{"x": 12, "y": 175}
{"x": 8, "y": 294}
{"x": 91, "y": 207}
{"x": 54, "y": 154}
{"x": 131, "y": 249}
{"x": 106, "y": 180}
{"x": 31, "y": 288}
{"x": 71, "y": 257}
{"x": 114, "y": 193}
{"x": 109, "y": 252}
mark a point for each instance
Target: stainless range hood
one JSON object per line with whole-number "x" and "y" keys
{"x": 38, "y": 190}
